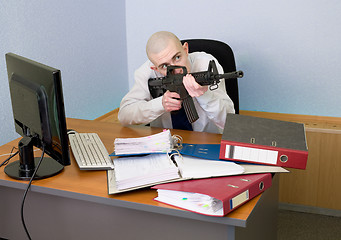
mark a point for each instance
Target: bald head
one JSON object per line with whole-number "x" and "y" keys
{"x": 165, "y": 49}
{"x": 159, "y": 41}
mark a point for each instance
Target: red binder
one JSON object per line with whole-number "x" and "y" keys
{"x": 264, "y": 141}
{"x": 213, "y": 196}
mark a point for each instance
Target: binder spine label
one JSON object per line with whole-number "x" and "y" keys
{"x": 251, "y": 154}
{"x": 239, "y": 199}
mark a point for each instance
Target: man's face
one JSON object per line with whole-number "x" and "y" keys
{"x": 173, "y": 54}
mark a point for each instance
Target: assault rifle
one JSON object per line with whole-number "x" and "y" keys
{"x": 173, "y": 83}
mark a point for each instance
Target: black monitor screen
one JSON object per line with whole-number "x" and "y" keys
{"x": 38, "y": 111}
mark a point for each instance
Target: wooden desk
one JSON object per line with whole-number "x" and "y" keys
{"x": 75, "y": 204}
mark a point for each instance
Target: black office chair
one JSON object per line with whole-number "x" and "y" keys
{"x": 224, "y": 54}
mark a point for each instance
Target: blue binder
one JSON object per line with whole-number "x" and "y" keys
{"x": 206, "y": 151}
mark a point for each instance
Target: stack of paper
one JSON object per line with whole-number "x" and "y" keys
{"x": 196, "y": 202}
{"x": 156, "y": 143}
{"x": 133, "y": 172}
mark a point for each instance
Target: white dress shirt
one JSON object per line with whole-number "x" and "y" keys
{"x": 138, "y": 106}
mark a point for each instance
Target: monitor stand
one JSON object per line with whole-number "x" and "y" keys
{"x": 24, "y": 168}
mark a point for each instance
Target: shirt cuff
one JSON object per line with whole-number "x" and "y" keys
{"x": 157, "y": 106}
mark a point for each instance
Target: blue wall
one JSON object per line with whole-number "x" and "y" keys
{"x": 289, "y": 50}
{"x": 86, "y": 40}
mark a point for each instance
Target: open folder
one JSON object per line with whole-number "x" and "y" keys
{"x": 213, "y": 196}
{"x": 142, "y": 171}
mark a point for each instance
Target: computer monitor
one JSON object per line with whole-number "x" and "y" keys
{"x": 39, "y": 117}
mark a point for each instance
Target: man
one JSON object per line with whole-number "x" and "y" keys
{"x": 165, "y": 49}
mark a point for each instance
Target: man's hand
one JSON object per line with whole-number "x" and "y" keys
{"x": 170, "y": 101}
{"x": 193, "y": 88}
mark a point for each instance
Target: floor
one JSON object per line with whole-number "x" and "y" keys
{"x": 296, "y": 225}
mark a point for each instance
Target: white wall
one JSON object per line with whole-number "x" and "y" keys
{"x": 86, "y": 40}
{"x": 290, "y": 50}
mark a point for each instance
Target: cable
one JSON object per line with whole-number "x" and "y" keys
{"x": 7, "y": 160}
{"x": 25, "y": 194}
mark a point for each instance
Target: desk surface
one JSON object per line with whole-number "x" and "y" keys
{"x": 92, "y": 185}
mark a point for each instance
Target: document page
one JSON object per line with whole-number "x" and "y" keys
{"x": 141, "y": 170}
{"x": 193, "y": 167}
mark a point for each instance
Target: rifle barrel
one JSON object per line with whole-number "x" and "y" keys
{"x": 236, "y": 74}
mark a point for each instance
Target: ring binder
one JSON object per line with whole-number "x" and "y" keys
{"x": 264, "y": 141}
{"x": 226, "y": 192}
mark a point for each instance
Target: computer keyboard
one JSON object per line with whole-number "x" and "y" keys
{"x": 90, "y": 152}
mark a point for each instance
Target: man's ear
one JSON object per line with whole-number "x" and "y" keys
{"x": 153, "y": 68}
{"x": 185, "y": 47}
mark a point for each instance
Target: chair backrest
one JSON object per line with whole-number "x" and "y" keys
{"x": 224, "y": 54}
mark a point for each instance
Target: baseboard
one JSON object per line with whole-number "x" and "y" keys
{"x": 309, "y": 209}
